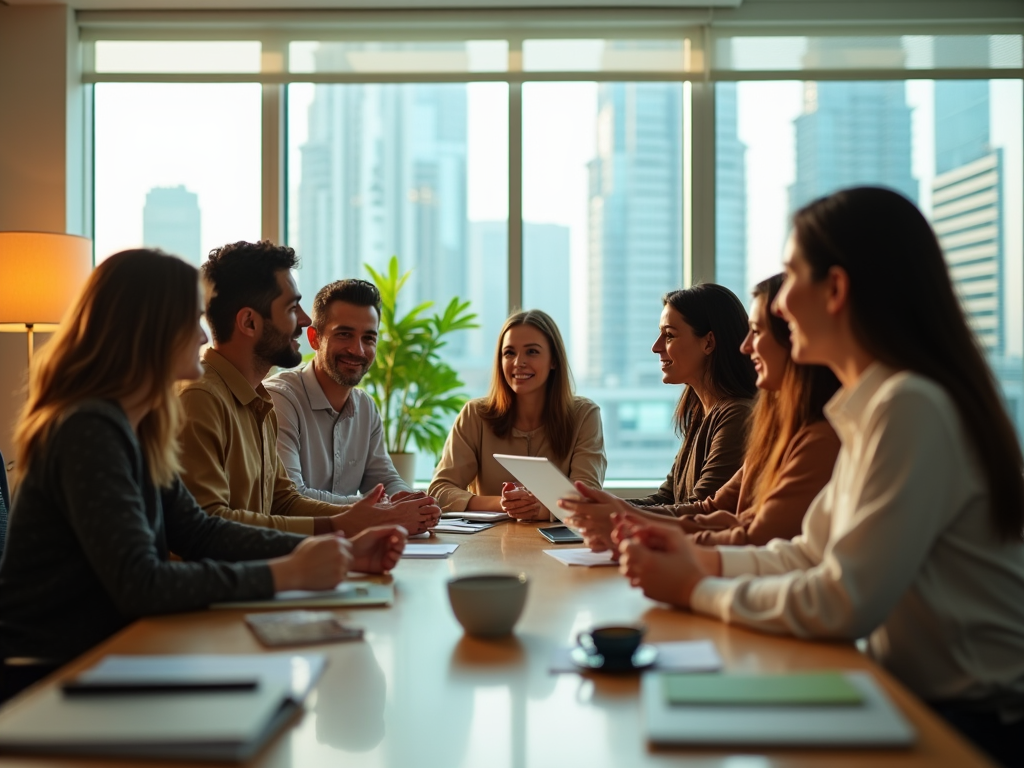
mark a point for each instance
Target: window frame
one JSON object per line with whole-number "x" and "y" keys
{"x": 701, "y": 30}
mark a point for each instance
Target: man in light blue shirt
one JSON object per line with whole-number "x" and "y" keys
{"x": 330, "y": 436}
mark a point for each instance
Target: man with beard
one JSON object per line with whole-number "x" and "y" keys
{"x": 229, "y": 439}
{"x": 331, "y": 438}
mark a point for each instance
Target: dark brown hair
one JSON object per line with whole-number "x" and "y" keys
{"x": 778, "y": 416}
{"x": 710, "y": 308}
{"x": 903, "y": 310}
{"x": 241, "y": 275}
{"x": 122, "y": 336}
{"x": 500, "y": 404}
{"x": 362, "y": 293}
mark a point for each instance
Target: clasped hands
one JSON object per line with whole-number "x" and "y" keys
{"x": 413, "y": 510}
{"x": 520, "y": 504}
{"x": 322, "y": 562}
{"x": 656, "y": 556}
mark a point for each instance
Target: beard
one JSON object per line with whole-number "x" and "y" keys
{"x": 275, "y": 348}
{"x": 329, "y": 365}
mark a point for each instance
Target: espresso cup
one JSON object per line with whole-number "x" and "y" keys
{"x": 488, "y": 605}
{"x": 616, "y": 644}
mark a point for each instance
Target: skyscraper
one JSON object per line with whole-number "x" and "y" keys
{"x": 546, "y": 274}
{"x": 852, "y": 133}
{"x": 170, "y": 221}
{"x": 968, "y": 210}
{"x": 730, "y": 194}
{"x": 384, "y": 173}
{"x": 635, "y": 248}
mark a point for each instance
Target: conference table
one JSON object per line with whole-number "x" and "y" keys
{"x": 418, "y": 693}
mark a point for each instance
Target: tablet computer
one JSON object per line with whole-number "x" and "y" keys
{"x": 541, "y": 478}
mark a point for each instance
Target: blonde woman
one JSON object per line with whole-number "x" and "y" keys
{"x": 530, "y": 410}
{"x": 100, "y": 506}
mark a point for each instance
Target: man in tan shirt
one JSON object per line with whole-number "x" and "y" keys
{"x": 229, "y": 440}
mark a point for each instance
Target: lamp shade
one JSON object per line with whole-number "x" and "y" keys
{"x": 41, "y": 273}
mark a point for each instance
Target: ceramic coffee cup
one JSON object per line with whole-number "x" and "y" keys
{"x": 616, "y": 644}
{"x": 488, "y": 605}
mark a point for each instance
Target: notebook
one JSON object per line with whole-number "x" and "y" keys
{"x": 808, "y": 688}
{"x": 741, "y": 716}
{"x": 348, "y": 594}
{"x": 188, "y": 725}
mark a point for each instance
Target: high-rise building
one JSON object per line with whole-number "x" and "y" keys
{"x": 546, "y": 284}
{"x": 384, "y": 173}
{"x": 968, "y": 212}
{"x": 171, "y": 220}
{"x": 635, "y": 239}
{"x": 545, "y": 280}
{"x": 852, "y": 133}
{"x": 730, "y": 194}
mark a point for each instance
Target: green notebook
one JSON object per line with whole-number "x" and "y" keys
{"x": 806, "y": 688}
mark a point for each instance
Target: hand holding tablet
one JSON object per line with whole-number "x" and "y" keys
{"x": 541, "y": 478}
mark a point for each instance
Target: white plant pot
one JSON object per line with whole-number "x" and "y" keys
{"x": 405, "y": 465}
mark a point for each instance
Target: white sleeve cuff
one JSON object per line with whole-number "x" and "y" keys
{"x": 711, "y": 597}
{"x": 737, "y": 561}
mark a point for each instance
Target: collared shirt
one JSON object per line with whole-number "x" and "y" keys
{"x": 900, "y": 545}
{"x": 330, "y": 456}
{"x": 229, "y": 452}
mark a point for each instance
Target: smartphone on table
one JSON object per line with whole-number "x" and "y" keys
{"x": 560, "y": 534}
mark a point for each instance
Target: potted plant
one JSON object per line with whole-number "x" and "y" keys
{"x": 414, "y": 389}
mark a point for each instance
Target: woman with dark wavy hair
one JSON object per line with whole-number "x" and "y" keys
{"x": 791, "y": 450}
{"x": 698, "y": 346}
{"x": 917, "y": 542}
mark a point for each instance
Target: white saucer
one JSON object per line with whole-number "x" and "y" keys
{"x": 643, "y": 657}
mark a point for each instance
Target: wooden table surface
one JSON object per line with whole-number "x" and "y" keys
{"x": 418, "y": 693}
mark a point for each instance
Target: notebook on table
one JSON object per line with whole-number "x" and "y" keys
{"x": 834, "y": 709}
{"x": 157, "y": 707}
{"x": 348, "y": 594}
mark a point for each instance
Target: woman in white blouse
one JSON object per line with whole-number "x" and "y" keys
{"x": 916, "y": 543}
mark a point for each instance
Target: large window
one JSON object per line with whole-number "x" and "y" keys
{"x": 586, "y": 148}
{"x": 419, "y": 171}
{"x": 177, "y": 166}
{"x": 952, "y": 146}
{"x": 602, "y": 243}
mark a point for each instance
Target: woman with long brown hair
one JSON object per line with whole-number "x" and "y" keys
{"x": 791, "y": 449}
{"x": 530, "y": 410}
{"x": 698, "y": 346}
{"x": 100, "y": 506}
{"x": 917, "y": 542}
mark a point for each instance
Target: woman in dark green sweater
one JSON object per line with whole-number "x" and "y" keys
{"x": 100, "y": 506}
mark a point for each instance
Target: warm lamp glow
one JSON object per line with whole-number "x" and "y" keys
{"x": 41, "y": 273}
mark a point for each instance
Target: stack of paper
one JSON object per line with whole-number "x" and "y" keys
{"x": 477, "y": 517}
{"x": 122, "y": 719}
{"x": 460, "y": 525}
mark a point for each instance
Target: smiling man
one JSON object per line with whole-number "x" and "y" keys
{"x": 331, "y": 438}
{"x": 229, "y": 457}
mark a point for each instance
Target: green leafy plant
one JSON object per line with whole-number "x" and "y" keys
{"x": 414, "y": 389}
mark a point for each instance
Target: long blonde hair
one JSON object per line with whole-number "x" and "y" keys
{"x": 121, "y": 337}
{"x": 500, "y": 404}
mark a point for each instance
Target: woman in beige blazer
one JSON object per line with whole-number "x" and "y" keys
{"x": 530, "y": 410}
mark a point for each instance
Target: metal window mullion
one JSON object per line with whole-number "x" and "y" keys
{"x": 515, "y": 180}
{"x": 272, "y": 138}
{"x": 700, "y": 196}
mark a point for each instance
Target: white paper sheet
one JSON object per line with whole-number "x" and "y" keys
{"x": 581, "y": 556}
{"x": 428, "y": 551}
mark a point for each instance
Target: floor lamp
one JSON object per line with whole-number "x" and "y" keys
{"x": 41, "y": 273}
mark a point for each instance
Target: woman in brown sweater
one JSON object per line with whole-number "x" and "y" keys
{"x": 699, "y": 345}
{"x": 790, "y": 455}
{"x": 530, "y": 411}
